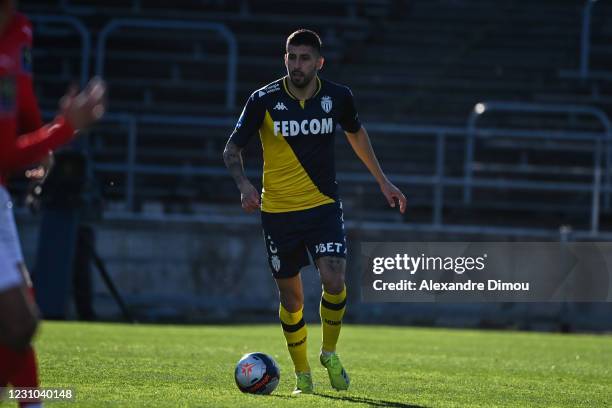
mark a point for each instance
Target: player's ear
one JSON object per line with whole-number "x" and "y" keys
{"x": 320, "y": 62}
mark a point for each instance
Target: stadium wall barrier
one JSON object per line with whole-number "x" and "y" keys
{"x": 184, "y": 271}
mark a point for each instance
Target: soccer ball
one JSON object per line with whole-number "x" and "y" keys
{"x": 257, "y": 373}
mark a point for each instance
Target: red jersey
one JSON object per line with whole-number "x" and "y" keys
{"x": 22, "y": 139}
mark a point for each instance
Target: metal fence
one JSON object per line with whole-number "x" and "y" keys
{"x": 232, "y": 45}
{"x": 438, "y": 181}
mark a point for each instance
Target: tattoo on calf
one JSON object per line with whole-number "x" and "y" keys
{"x": 334, "y": 264}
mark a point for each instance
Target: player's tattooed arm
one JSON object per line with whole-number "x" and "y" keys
{"x": 233, "y": 161}
{"x": 249, "y": 196}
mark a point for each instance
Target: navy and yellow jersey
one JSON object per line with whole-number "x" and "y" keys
{"x": 297, "y": 138}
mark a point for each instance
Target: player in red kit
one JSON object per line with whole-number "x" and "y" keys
{"x": 25, "y": 141}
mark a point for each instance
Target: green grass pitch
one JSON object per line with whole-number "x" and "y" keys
{"x": 192, "y": 366}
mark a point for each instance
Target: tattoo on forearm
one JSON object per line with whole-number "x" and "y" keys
{"x": 233, "y": 162}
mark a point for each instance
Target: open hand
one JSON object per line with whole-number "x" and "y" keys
{"x": 81, "y": 109}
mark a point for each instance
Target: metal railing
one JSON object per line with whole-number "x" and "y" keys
{"x": 438, "y": 181}
{"x": 221, "y": 29}
{"x": 585, "y": 38}
{"x": 515, "y": 107}
{"x": 79, "y": 28}
{"x": 40, "y": 20}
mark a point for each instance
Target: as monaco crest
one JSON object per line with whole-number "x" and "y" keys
{"x": 326, "y": 104}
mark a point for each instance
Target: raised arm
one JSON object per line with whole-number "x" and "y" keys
{"x": 29, "y": 117}
{"x": 360, "y": 142}
{"x": 77, "y": 111}
{"x": 249, "y": 196}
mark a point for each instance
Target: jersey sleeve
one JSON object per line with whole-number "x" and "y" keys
{"x": 32, "y": 147}
{"x": 349, "y": 118}
{"x": 29, "y": 117}
{"x": 249, "y": 122}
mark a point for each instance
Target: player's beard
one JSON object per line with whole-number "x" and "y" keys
{"x": 302, "y": 81}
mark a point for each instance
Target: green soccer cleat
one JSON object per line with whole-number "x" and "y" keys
{"x": 303, "y": 384}
{"x": 338, "y": 377}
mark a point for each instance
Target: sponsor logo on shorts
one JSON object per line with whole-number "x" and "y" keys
{"x": 330, "y": 248}
{"x": 272, "y": 249}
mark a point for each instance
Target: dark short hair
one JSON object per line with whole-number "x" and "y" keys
{"x": 304, "y": 37}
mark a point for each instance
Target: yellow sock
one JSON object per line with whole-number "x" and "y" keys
{"x": 294, "y": 330}
{"x": 332, "y": 310}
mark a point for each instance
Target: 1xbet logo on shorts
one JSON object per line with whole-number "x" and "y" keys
{"x": 330, "y": 248}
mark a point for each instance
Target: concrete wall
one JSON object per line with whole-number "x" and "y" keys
{"x": 193, "y": 271}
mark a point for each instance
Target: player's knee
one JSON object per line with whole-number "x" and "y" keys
{"x": 333, "y": 283}
{"x": 334, "y": 286}
{"x": 292, "y": 302}
{"x": 294, "y": 305}
{"x": 332, "y": 272}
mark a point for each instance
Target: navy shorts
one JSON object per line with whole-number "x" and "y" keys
{"x": 292, "y": 235}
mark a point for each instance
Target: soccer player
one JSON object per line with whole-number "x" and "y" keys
{"x": 301, "y": 212}
{"x": 24, "y": 141}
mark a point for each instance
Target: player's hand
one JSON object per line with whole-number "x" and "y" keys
{"x": 81, "y": 109}
{"x": 39, "y": 173}
{"x": 249, "y": 197}
{"x": 37, "y": 177}
{"x": 393, "y": 195}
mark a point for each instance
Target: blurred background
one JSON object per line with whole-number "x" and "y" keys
{"x": 493, "y": 117}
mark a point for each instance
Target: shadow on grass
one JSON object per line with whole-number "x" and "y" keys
{"x": 285, "y": 397}
{"x": 361, "y": 400}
